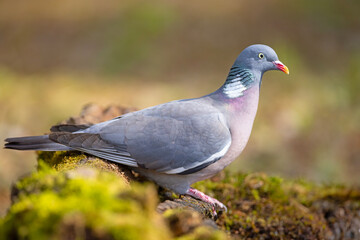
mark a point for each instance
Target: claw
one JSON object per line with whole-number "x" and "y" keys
{"x": 205, "y": 198}
{"x": 220, "y": 205}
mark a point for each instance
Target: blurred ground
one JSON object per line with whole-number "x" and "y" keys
{"x": 56, "y": 57}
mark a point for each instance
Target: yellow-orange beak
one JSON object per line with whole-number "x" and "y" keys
{"x": 279, "y": 65}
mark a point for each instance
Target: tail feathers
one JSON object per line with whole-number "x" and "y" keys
{"x": 42, "y": 143}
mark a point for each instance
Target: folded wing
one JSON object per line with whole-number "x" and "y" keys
{"x": 173, "y": 138}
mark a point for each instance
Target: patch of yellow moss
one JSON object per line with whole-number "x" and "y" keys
{"x": 69, "y": 160}
{"x": 205, "y": 232}
{"x": 81, "y": 204}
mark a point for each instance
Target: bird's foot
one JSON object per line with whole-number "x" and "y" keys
{"x": 205, "y": 198}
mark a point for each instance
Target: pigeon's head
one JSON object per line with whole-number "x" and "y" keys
{"x": 260, "y": 58}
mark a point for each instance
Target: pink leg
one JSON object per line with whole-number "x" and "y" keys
{"x": 205, "y": 198}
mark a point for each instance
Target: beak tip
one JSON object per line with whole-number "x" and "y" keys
{"x": 280, "y": 66}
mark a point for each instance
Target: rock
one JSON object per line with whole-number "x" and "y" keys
{"x": 93, "y": 113}
{"x": 187, "y": 202}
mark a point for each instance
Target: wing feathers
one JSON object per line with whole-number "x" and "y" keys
{"x": 68, "y": 127}
{"x": 197, "y": 166}
{"x": 79, "y": 140}
{"x": 93, "y": 144}
{"x": 175, "y": 138}
{"x": 112, "y": 157}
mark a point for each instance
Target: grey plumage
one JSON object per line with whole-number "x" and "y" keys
{"x": 176, "y": 143}
{"x": 68, "y": 128}
{"x": 42, "y": 143}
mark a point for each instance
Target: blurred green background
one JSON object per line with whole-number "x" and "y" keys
{"x": 57, "y": 56}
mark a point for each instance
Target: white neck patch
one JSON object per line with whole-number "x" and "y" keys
{"x": 238, "y": 81}
{"x": 234, "y": 88}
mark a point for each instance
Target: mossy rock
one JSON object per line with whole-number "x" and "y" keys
{"x": 189, "y": 224}
{"x": 87, "y": 203}
{"x": 82, "y": 204}
{"x": 262, "y": 207}
{"x": 205, "y": 232}
{"x": 69, "y": 160}
{"x": 77, "y": 196}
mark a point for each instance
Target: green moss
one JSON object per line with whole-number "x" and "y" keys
{"x": 82, "y": 204}
{"x": 69, "y": 160}
{"x": 188, "y": 224}
{"x": 262, "y": 207}
{"x": 64, "y": 200}
{"x": 205, "y": 232}
{"x": 66, "y": 160}
{"x": 246, "y": 186}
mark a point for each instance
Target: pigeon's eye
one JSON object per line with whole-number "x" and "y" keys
{"x": 261, "y": 55}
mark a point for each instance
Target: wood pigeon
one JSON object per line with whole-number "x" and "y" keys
{"x": 178, "y": 143}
